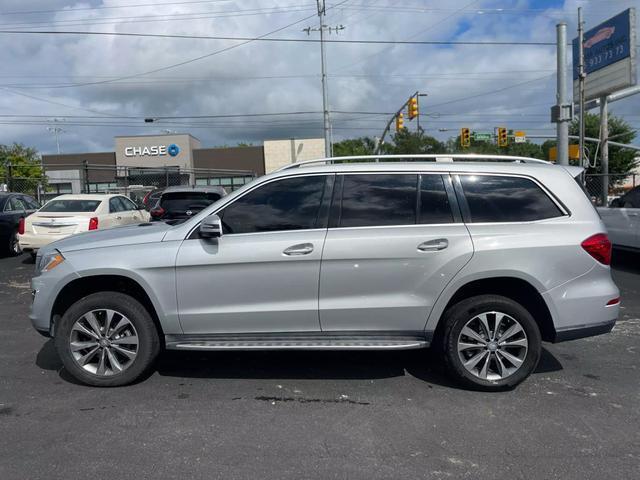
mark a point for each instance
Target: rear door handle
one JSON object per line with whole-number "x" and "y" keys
{"x": 300, "y": 249}
{"x": 434, "y": 245}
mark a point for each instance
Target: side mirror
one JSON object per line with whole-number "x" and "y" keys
{"x": 211, "y": 227}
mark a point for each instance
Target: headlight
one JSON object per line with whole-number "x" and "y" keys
{"x": 49, "y": 262}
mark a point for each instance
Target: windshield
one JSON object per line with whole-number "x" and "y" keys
{"x": 182, "y": 201}
{"x": 70, "y": 206}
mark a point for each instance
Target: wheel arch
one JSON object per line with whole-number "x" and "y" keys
{"x": 515, "y": 288}
{"x": 82, "y": 286}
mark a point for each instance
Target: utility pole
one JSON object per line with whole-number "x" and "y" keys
{"x": 604, "y": 145}
{"x": 582, "y": 75}
{"x": 323, "y": 60}
{"x": 56, "y": 131}
{"x": 564, "y": 117}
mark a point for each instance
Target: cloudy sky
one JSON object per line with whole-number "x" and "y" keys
{"x": 97, "y": 87}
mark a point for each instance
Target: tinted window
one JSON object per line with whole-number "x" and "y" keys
{"x": 434, "y": 203}
{"x": 506, "y": 199}
{"x": 370, "y": 200}
{"x": 69, "y": 206}
{"x": 183, "y": 201}
{"x": 288, "y": 204}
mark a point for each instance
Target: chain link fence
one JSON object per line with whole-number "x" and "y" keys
{"x": 134, "y": 182}
{"x": 615, "y": 185}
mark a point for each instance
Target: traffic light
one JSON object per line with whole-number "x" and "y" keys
{"x": 503, "y": 141}
{"x": 413, "y": 108}
{"x": 399, "y": 122}
{"x": 465, "y": 137}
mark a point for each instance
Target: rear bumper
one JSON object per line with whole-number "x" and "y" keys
{"x": 580, "y": 307}
{"x": 31, "y": 242}
{"x": 582, "y": 331}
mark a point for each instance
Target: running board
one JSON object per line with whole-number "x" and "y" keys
{"x": 296, "y": 342}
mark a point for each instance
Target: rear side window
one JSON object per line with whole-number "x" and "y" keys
{"x": 71, "y": 206}
{"x": 434, "y": 202}
{"x": 384, "y": 199}
{"x": 506, "y": 199}
{"x": 288, "y": 204}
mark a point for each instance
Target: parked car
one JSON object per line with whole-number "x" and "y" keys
{"x": 484, "y": 260}
{"x": 622, "y": 219}
{"x": 152, "y": 197}
{"x": 70, "y": 214}
{"x": 179, "y": 203}
{"x": 14, "y": 207}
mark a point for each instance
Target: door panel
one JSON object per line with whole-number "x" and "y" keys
{"x": 246, "y": 283}
{"x": 377, "y": 278}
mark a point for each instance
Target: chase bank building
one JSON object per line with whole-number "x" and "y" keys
{"x": 172, "y": 159}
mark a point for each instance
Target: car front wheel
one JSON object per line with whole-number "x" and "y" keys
{"x": 107, "y": 339}
{"x": 490, "y": 342}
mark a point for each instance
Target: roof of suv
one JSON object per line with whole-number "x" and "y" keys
{"x": 433, "y": 163}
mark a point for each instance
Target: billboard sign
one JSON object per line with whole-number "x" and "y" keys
{"x": 609, "y": 56}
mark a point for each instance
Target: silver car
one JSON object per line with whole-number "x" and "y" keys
{"x": 481, "y": 257}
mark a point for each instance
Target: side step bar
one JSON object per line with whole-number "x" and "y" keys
{"x": 315, "y": 341}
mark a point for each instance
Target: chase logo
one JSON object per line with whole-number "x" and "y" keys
{"x": 173, "y": 150}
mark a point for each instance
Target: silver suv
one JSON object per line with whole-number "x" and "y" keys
{"x": 481, "y": 257}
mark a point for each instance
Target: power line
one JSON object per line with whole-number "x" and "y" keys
{"x": 285, "y": 40}
{"x": 109, "y": 7}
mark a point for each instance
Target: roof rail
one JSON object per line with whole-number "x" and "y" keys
{"x": 416, "y": 158}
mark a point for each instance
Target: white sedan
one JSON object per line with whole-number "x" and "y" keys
{"x": 69, "y": 214}
{"x": 622, "y": 219}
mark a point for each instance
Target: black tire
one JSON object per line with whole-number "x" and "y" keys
{"x": 13, "y": 247}
{"x": 456, "y": 318}
{"x": 147, "y": 333}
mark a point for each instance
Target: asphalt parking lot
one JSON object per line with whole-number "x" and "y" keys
{"x": 320, "y": 415}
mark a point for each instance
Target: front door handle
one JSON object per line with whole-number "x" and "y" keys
{"x": 300, "y": 249}
{"x": 434, "y": 245}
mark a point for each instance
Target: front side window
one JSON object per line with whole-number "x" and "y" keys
{"x": 493, "y": 198}
{"x": 287, "y": 204}
{"x": 128, "y": 204}
{"x": 378, "y": 200}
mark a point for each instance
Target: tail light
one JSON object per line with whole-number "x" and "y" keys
{"x": 157, "y": 212}
{"x": 599, "y": 247}
{"x": 93, "y": 223}
{"x": 21, "y": 226}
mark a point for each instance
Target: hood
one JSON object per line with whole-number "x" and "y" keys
{"x": 111, "y": 237}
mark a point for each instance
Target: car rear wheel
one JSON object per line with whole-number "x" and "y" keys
{"x": 490, "y": 342}
{"x": 13, "y": 247}
{"x": 107, "y": 339}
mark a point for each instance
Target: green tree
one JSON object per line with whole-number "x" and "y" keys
{"x": 354, "y": 146}
{"x": 407, "y": 142}
{"x": 22, "y": 164}
{"x": 621, "y": 160}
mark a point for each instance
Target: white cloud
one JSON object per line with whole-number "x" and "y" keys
{"x": 383, "y": 76}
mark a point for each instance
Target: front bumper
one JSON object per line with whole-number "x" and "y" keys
{"x": 45, "y": 289}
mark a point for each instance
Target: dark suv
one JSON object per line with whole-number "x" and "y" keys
{"x": 179, "y": 203}
{"x": 14, "y": 207}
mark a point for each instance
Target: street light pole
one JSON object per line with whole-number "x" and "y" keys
{"x": 581, "y": 78}
{"x": 564, "y": 119}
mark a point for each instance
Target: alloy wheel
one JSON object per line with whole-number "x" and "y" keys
{"x": 103, "y": 342}
{"x": 492, "y": 346}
